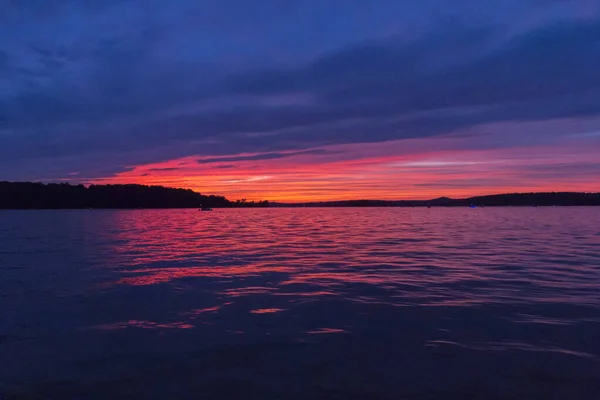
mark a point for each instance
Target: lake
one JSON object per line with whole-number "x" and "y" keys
{"x": 307, "y": 303}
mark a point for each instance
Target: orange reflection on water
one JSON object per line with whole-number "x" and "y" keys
{"x": 266, "y": 310}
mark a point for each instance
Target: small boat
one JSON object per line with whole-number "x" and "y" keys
{"x": 205, "y": 208}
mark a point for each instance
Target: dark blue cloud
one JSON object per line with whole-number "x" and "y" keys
{"x": 164, "y": 169}
{"x": 553, "y": 60}
{"x": 265, "y": 156}
{"x": 97, "y": 86}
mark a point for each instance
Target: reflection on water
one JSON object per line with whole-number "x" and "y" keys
{"x": 301, "y": 303}
{"x": 325, "y": 330}
{"x": 145, "y": 325}
{"x": 266, "y": 310}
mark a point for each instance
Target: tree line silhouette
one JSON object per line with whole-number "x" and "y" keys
{"x": 512, "y": 199}
{"x": 29, "y": 195}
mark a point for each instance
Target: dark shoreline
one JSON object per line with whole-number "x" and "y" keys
{"x": 40, "y": 196}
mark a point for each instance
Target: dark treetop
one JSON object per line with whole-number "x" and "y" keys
{"x": 27, "y": 195}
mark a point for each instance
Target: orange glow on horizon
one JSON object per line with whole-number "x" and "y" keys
{"x": 386, "y": 171}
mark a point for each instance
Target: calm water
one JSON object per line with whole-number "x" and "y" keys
{"x": 493, "y": 303}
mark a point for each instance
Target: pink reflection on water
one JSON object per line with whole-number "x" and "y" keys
{"x": 511, "y": 346}
{"x": 208, "y": 310}
{"x": 144, "y": 325}
{"x": 438, "y": 257}
{"x": 266, "y": 310}
{"x": 161, "y": 275}
{"x": 247, "y": 291}
{"x": 322, "y": 331}
{"x": 339, "y": 278}
{"x": 307, "y": 294}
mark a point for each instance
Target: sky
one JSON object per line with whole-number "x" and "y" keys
{"x": 303, "y": 100}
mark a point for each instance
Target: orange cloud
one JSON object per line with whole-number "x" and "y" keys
{"x": 406, "y": 169}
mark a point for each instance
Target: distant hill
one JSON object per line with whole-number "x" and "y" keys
{"x": 28, "y": 195}
{"x": 512, "y": 199}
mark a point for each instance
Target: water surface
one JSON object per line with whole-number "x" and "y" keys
{"x": 384, "y": 303}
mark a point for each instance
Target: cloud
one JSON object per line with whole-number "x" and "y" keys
{"x": 256, "y": 157}
{"x": 117, "y": 87}
{"x": 167, "y": 169}
{"x": 391, "y": 78}
{"x": 4, "y": 61}
{"x": 250, "y": 179}
{"x": 434, "y": 163}
{"x": 464, "y": 183}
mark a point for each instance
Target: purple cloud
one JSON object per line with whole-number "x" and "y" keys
{"x": 100, "y": 86}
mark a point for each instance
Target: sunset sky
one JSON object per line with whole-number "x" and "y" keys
{"x": 303, "y": 100}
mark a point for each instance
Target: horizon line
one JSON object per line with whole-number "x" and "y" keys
{"x": 87, "y": 185}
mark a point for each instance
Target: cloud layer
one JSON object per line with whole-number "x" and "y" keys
{"x": 100, "y": 88}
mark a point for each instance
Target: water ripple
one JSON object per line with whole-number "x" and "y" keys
{"x": 374, "y": 299}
